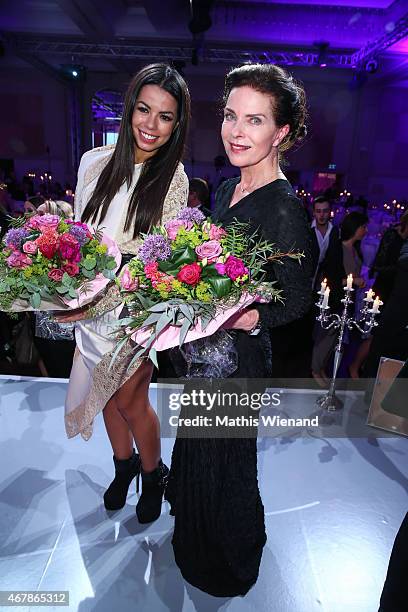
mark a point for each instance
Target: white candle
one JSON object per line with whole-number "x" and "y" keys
{"x": 369, "y": 295}
{"x": 323, "y": 285}
{"x": 376, "y": 305}
{"x": 349, "y": 281}
{"x": 326, "y": 297}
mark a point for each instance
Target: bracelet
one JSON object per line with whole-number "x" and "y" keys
{"x": 255, "y": 330}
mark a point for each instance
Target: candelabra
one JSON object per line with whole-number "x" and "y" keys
{"x": 364, "y": 324}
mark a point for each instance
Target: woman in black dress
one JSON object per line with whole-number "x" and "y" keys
{"x": 213, "y": 490}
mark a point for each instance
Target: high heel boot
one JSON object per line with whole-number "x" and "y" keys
{"x": 125, "y": 471}
{"x": 148, "y": 507}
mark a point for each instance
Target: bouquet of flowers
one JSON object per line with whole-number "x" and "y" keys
{"x": 49, "y": 263}
{"x": 189, "y": 277}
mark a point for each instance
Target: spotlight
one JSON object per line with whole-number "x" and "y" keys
{"x": 73, "y": 72}
{"x": 371, "y": 66}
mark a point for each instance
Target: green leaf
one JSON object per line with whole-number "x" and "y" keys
{"x": 110, "y": 264}
{"x": 109, "y": 274}
{"x": 89, "y": 263}
{"x": 117, "y": 350}
{"x": 153, "y": 357}
{"x": 145, "y": 302}
{"x": 66, "y": 280}
{"x": 152, "y": 319}
{"x": 183, "y": 332}
{"x": 205, "y": 321}
{"x": 30, "y": 287}
{"x": 188, "y": 312}
{"x": 209, "y": 271}
{"x": 35, "y": 300}
{"x": 220, "y": 286}
{"x": 158, "y": 307}
{"x": 88, "y": 274}
{"x": 163, "y": 322}
{"x": 72, "y": 293}
{"x": 179, "y": 258}
{"x": 62, "y": 290}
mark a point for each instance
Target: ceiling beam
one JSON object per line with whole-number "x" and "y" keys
{"x": 25, "y": 55}
{"x": 374, "y": 48}
{"x": 128, "y": 50}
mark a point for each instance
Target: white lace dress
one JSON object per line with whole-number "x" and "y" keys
{"x": 92, "y": 383}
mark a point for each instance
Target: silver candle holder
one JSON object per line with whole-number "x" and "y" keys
{"x": 365, "y": 323}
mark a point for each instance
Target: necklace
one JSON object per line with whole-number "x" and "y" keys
{"x": 256, "y": 186}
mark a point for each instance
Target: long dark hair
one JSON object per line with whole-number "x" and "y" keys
{"x": 146, "y": 203}
{"x": 288, "y": 96}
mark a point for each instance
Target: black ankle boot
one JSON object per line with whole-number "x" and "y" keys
{"x": 148, "y": 507}
{"x": 125, "y": 471}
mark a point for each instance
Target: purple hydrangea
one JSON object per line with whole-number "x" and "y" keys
{"x": 79, "y": 234}
{"x": 153, "y": 248}
{"x": 15, "y": 237}
{"x": 191, "y": 214}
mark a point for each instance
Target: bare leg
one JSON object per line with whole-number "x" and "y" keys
{"x": 359, "y": 359}
{"x": 118, "y": 430}
{"x": 134, "y": 406}
{"x": 42, "y": 368}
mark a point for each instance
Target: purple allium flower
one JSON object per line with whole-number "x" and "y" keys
{"x": 15, "y": 237}
{"x": 79, "y": 234}
{"x": 153, "y": 248}
{"x": 191, "y": 214}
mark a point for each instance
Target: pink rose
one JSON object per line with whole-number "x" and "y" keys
{"x": 30, "y": 247}
{"x": 56, "y": 275}
{"x": 209, "y": 250}
{"x": 220, "y": 267}
{"x": 43, "y": 222}
{"x": 172, "y": 227}
{"x": 234, "y": 267}
{"x": 69, "y": 248}
{"x": 216, "y": 233}
{"x": 19, "y": 260}
{"x": 127, "y": 282}
{"x": 72, "y": 269}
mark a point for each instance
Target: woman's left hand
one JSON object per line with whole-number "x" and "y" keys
{"x": 244, "y": 320}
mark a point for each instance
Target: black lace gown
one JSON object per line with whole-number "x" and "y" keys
{"x": 219, "y": 530}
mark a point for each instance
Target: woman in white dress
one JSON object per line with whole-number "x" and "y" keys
{"x": 126, "y": 189}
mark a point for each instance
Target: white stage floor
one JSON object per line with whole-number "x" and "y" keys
{"x": 333, "y": 507}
